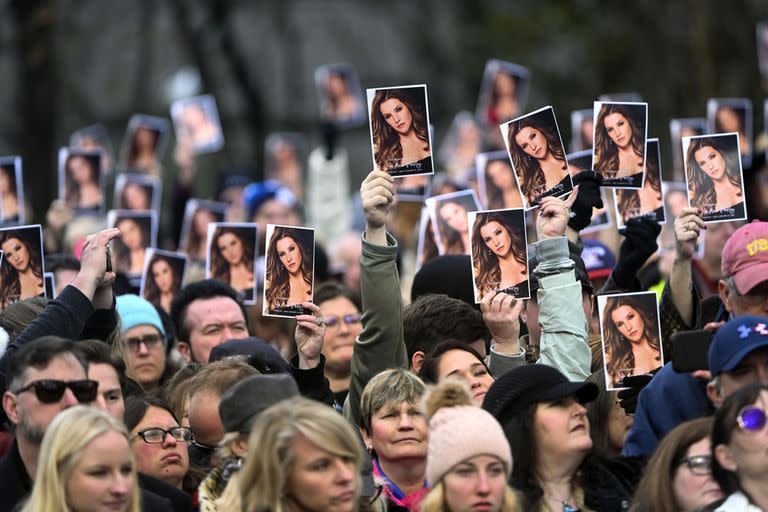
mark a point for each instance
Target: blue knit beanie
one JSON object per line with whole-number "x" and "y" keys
{"x": 134, "y": 310}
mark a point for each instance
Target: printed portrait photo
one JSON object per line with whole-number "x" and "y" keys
{"x": 81, "y": 185}
{"x": 285, "y": 154}
{"x": 288, "y": 270}
{"x": 196, "y": 122}
{"x": 631, "y": 335}
{"x": 579, "y": 162}
{"x": 647, "y": 201}
{"x": 582, "y": 130}
{"x": 426, "y": 248}
{"x": 11, "y": 191}
{"x": 399, "y": 121}
{"x": 449, "y": 220}
{"x": 499, "y": 253}
{"x": 198, "y": 213}
{"x": 137, "y": 192}
{"x": 232, "y": 255}
{"x": 538, "y": 156}
{"x": 503, "y": 92}
{"x": 163, "y": 276}
{"x": 679, "y": 128}
{"x": 94, "y": 138}
{"x": 714, "y": 176}
{"x": 460, "y": 145}
{"x": 619, "y": 143}
{"x": 145, "y": 141}
{"x": 496, "y": 181}
{"x": 341, "y": 97}
{"x": 732, "y": 115}
{"x": 22, "y": 265}
{"x": 139, "y": 232}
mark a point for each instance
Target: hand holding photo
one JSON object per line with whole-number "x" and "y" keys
{"x": 619, "y": 143}
{"x": 197, "y": 120}
{"x": 449, "y": 216}
{"x": 138, "y": 233}
{"x": 400, "y": 139}
{"x": 341, "y": 98}
{"x": 714, "y": 176}
{"x": 631, "y": 335}
{"x": 499, "y": 253}
{"x": 288, "y": 270}
{"x": 727, "y": 115}
{"x": 646, "y": 202}
{"x": 21, "y": 266}
{"x": 232, "y": 255}
{"x": 11, "y": 190}
{"x": 537, "y": 155}
{"x": 497, "y": 182}
{"x": 80, "y": 180}
{"x": 163, "y": 276}
{"x": 137, "y": 192}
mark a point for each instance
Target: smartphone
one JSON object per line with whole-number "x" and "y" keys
{"x": 690, "y": 350}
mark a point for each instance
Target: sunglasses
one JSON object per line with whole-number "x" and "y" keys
{"x": 333, "y": 321}
{"x": 751, "y": 419}
{"x": 698, "y": 464}
{"x": 150, "y": 341}
{"x": 156, "y": 435}
{"x": 50, "y": 391}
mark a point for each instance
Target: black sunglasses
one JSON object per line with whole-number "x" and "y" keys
{"x": 49, "y": 391}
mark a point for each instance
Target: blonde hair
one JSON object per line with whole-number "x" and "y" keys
{"x": 435, "y": 500}
{"x": 66, "y": 438}
{"x": 260, "y": 484}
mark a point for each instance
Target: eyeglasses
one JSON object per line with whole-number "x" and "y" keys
{"x": 333, "y": 321}
{"x": 50, "y": 391}
{"x": 751, "y": 419}
{"x": 699, "y": 464}
{"x": 150, "y": 341}
{"x": 156, "y": 435}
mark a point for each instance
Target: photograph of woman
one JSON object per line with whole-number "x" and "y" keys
{"x": 582, "y": 129}
{"x": 341, "y": 98}
{"x": 646, "y": 202}
{"x": 163, "y": 276}
{"x": 449, "y": 216}
{"x": 499, "y": 255}
{"x": 11, "y": 190}
{"x": 729, "y": 115}
{"x": 582, "y": 161}
{"x": 629, "y": 325}
{"x": 289, "y": 270}
{"x": 497, "y": 182}
{"x": 285, "y": 156}
{"x": 137, "y": 192}
{"x": 426, "y": 248}
{"x": 80, "y": 180}
{"x": 619, "y": 143}
{"x": 537, "y": 155}
{"x": 198, "y": 213}
{"x": 714, "y": 176}
{"x": 679, "y": 128}
{"x": 94, "y": 138}
{"x": 21, "y": 270}
{"x": 232, "y": 256}
{"x": 503, "y": 92}
{"x": 400, "y": 136}
{"x": 197, "y": 120}
{"x": 139, "y": 232}
{"x": 145, "y": 142}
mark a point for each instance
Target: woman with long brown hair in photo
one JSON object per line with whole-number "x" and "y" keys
{"x": 714, "y": 181}
{"x": 289, "y": 269}
{"x": 400, "y": 133}
{"x": 498, "y": 254}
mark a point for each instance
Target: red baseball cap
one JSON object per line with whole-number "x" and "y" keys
{"x": 745, "y": 256}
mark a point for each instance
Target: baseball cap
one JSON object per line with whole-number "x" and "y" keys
{"x": 735, "y": 340}
{"x": 745, "y": 256}
{"x": 598, "y": 259}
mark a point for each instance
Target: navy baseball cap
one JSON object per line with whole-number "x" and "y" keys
{"x": 735, "y": 340}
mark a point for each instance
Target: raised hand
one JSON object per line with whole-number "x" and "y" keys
{"x": 501, "y": 313}
{"x": 688, "y": 225}
{"x": 310, "y": 331}
{"x": 377, "y": 193}
{"x": 553, "y": 216}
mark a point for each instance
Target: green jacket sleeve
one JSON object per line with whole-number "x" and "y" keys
{"x": 380, "y": 345}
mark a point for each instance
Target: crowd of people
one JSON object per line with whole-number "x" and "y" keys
{"x": 468, "y": 396}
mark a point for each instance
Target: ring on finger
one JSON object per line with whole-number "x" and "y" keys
{"x": 319, "y": 321}
{"x": 685, "y": 227}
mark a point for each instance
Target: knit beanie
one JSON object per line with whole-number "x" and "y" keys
{"x": 134, "y": 310}
{"x": 459, "y": 431}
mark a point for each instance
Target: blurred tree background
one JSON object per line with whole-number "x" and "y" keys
{"x": 66, "y": 64}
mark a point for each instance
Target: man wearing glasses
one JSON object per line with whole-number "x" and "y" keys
{"x": 44, "y": 378}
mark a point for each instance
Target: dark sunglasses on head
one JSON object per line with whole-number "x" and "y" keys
{"x": 150, "y": 341}
{"x": 332, "y": 320}
{"x": 751, "y": 419}
{"x": 49, "y": 391}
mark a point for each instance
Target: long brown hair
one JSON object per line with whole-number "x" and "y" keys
{"x": 656, "y": 492}
{"x": 486, "y": 263}
{"x": 278, "y": 286}
{"x": 451, "y": 239}
{"x": 152, "y": 291}
{"x": 386, "y": 141}
{"x": 529, "y": 172}
{"x": 220, "y": 269}
{"x": 700, "y": 185}
{"x": 10, "y": 291}
{"x": 618, "y": 351}
{"x": 606, "y": 151}
{"x": 629, "y": 200}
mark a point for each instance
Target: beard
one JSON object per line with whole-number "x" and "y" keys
{"x": 33, "y": 433}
